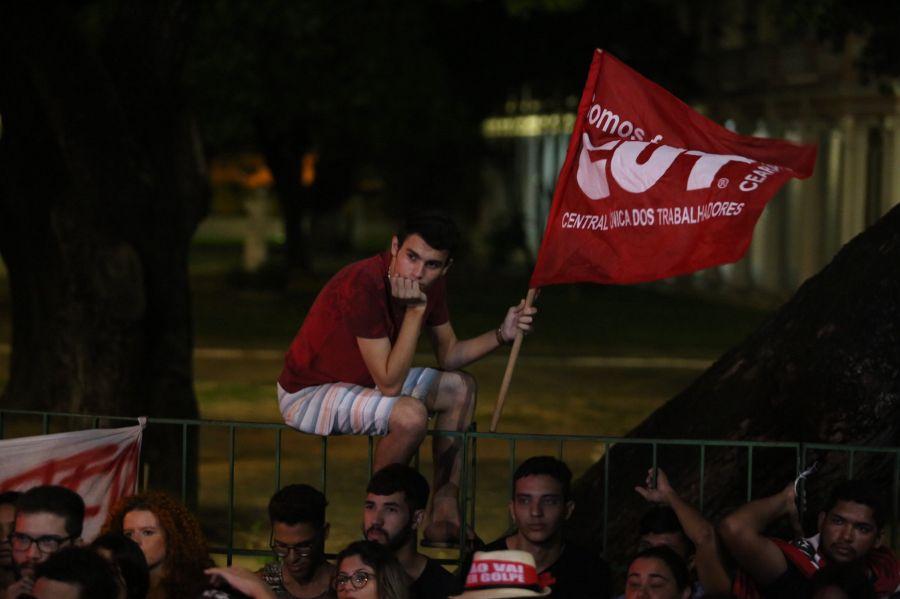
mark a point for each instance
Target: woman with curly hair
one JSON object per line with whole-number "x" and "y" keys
{"x": 171, "y": 539}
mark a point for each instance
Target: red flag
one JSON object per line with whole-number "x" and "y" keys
{"x": 652, "y": 189}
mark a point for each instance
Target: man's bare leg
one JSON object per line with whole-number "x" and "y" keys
{"x": 407, "y": 426}
{"x": 453, "y": 400}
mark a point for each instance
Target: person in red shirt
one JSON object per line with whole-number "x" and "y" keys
{"x": 349, "y": 368}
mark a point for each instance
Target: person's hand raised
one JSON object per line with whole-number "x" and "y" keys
{"x": 661, "y": 492}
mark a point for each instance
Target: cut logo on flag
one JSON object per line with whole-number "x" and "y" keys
{"x": 651, "y": 189}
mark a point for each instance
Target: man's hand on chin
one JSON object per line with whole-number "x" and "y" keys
{"x": 408, "y": 292}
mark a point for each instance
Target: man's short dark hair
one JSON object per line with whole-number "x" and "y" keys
{"x": 397, "y": 478}
{"x": 548, "y": 466}
{"x": 661, "y": 520}
{"x": 436, "y": 228}
{"x": 81, "y": 566}
{"x": 56, "y": 500}
{"x": 859, "y": 491}
{"x": 298, "y": 503}
{"x": 9, "y": 497}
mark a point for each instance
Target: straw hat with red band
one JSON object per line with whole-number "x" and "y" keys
{"x": 503, "y": 575}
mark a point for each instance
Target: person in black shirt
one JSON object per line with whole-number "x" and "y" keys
{"x": 393, "y": 512}
{"x": 541, "y": 504}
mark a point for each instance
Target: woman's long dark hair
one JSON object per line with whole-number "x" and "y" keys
{"x": 393, "y": 583}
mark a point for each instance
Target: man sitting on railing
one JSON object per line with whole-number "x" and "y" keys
{"x": 540, "y": 505}
{"x": 850, "y": 528}
{"x": 392, "y": 514}
{"x": 349, "y": 369}
{"x": 299, "y": 530}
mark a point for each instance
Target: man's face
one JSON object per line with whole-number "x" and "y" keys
{"x": 301, "y": 547}
{"x": 40, "y": 525}
{"x": 387, "y": 520}
{"x": 7, "y": 519}
{"x": 417, "y": 260}
{"x": 848, "y": 531}
{"x": 539, "y": 509}
{"x": 673, "y": 540}
{"x": 46, "y": 588}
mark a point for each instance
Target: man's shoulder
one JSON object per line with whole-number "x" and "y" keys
{"x": 434, "y": 570}
{"x": 368, "y": 270}
{"x": 580, "y": 572}
{"x": 435, "y": 581}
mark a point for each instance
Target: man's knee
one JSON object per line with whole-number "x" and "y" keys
{"x": 459, "y": 384}
{"x": 409, "y": 418}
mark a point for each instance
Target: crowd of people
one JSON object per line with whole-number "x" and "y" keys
{"x": 349, "y": 370}
{"x": 151, "y": 546}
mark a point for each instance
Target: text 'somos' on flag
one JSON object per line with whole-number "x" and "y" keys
{"x": 652, "y": 189}
{"x": 101, "y": 465}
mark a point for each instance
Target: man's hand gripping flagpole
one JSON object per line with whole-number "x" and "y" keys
{"x": 511, "y": 364}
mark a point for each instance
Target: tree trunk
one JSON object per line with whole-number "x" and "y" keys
{"x": 101, "y": 189}
{"x": 283, "y": 152}
{"x": 825, "y": 368}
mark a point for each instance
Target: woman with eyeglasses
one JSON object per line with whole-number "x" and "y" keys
{"x": 171, "y": 539}
{"x": 368, "y": 570}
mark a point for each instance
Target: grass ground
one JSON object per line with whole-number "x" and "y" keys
{"x": 570, "y": 380}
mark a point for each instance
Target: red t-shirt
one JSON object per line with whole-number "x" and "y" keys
{"x": 356, "y": 302}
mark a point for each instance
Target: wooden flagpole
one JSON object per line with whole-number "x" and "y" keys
{"x": 510, "y": 366}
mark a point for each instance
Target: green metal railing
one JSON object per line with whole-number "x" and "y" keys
{"x": 470, "y": 441}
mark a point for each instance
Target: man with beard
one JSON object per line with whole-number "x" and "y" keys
{"x": 396, "y": 498}
{"x": 850, "y": 527}
{"x": 541, "y": 504}
{"x": 7, "y": 519}
{"x": 48, "y": 518}
{"x": 299, "y": 530}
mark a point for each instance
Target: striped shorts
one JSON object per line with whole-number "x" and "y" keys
{"x": 348, "y": 409}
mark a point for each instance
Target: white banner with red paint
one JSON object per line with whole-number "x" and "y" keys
{"x": 101, "y": 465}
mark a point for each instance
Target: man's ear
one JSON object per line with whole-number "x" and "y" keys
{"x": 512, "y": 513}
{"x": 570, "y": 507}
{"x": 417, "y": 517}
{"x": 447, "y": 267}
{"x": 78, "y": 542}
{"x": 395, "y": 246}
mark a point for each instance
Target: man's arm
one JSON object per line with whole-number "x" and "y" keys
{"x": 453, "y": 354}
{"x": 742, "y": 533}
{"x": 710, "y": 569}
{"x": 389, "y": 365}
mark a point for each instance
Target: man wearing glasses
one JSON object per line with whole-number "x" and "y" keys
{"x": 299, "y": 530}
{"x": 48, "y": 518}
